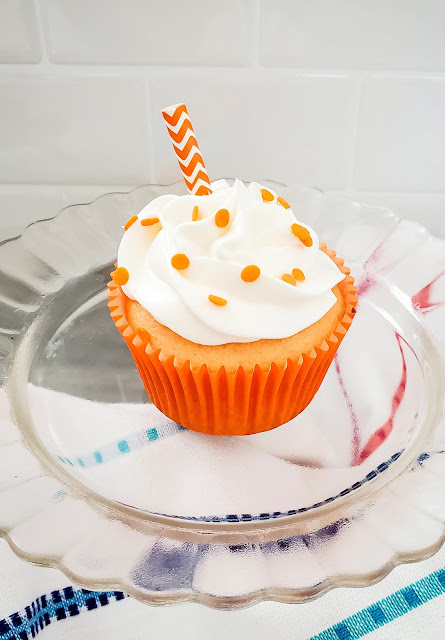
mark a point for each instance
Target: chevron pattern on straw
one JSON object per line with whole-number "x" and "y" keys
{"x": 186, "y": 148}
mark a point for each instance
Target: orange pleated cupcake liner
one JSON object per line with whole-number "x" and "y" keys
{"x": 241, "y": 402}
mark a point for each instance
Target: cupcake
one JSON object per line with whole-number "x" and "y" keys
{"x": 231, "y": 308}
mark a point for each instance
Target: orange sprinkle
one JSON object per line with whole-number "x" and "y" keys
{"x": 129, "y": 222}
{"x": 222, "y": 218}
{"x": 267, "y": 195}
{"x": 302, "y": 234}
{"x": 289, "y": 279}
{"x": 220, "y": 302}
{"x": 120, "y": 276}
{"x": 180, "y": 261}
{"x": 283, "y": 203}
{"x": 149, "y": 221}
{"x": 250, "y": 273}
{"x": 298, "y": 274}
{"x": 195, "y": 213}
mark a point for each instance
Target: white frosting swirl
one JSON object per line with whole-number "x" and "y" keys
{"x": 259, "y": 233}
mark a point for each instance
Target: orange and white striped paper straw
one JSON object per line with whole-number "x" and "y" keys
{"x": 186, "y": 148}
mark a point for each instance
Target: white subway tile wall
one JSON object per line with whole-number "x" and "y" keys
{"x": 257, "y": 125}
{"x": 348, "y": 96}
{"x": 73, "y": 130}
{"x": 19, "y": 40}
{"x": 196, "y": 32}
{"x": 353, "y": 34}
{"x": 401, "y": 145}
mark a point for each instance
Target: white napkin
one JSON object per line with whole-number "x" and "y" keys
{"x": 342, "y": 611}
{"x": 133, "y": 454}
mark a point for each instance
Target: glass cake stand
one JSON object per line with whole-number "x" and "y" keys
{"x": 96, "y": 481}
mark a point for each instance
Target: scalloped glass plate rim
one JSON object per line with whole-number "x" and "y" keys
{"x": 325, "y": 512}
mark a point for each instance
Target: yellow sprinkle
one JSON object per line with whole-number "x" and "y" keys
{"x": 283, "y": 203}
{"x": 220, "y": 302}
{"x": 129, "y": 222}
{"x": 289, "y": 279}
{"x": 302, "y": 234}
{"x": 195, "y": 213}
{"x": 298, "y": 274}
{"x": 250, "y": 273}
{"x": 149, "y": 221}
{"x": 267, "y": 195}
{"x": 222, "y": 218}
{"x": 120, "y": 276}
{"x": 180, "y": 261}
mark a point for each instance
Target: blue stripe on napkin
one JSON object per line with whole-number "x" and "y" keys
{"x": 126, "y": 445}
{"x": 54, "y": 607}
{"x": 141, "y": 438}
{"x": 386, "y": 610}
{"x": 70, "y": 602}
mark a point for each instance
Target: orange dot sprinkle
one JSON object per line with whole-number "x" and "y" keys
{"x": 302, "y": 234}
{"x": 283, "y": 203}
{"x": 120, "y": 276}
{"x": 180, "y": 261}
{"x": 222, "y": 218}
{"x": 220, "y": 302}
{"x": 195, "y": 214}
{"x": 149, "y": 221}
{"x": 129, "y": 222}
{"x": 267, "y": 195}
{"x": 289, "y": 279}
{"x": 250, "y": 273}
{"x": 298, "y": 274}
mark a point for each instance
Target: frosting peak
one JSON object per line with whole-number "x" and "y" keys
{"x": 233, "y": 266}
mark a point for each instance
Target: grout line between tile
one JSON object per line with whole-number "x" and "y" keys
{"x": 26, "y": 69}
{"x": 149, "y": 131}
{"x": 5, "y": 187}
{"x": 255, "y": 33}
{"x": 44, "y": 63}
{"x": 356, "y": 126}
{"x": 13, "y": 188}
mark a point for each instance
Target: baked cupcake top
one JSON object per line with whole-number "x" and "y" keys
{"x": 232, "y": 266}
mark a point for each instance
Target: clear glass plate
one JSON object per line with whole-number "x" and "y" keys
{"x": 96, "y": 481}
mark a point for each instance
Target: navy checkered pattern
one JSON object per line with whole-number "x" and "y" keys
{"x": 69, "y": 602}
{"x": 273, "y": 515}
{"x": 151, "y": 435}
{"x": 59, "y": 605}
